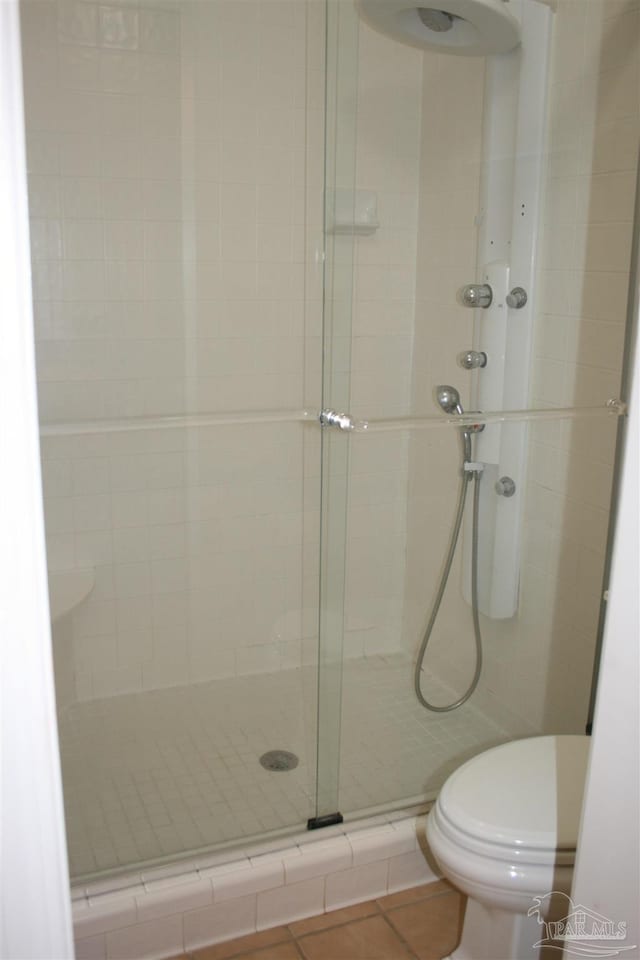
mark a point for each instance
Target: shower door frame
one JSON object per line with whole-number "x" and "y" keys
{"x": 341, "y": 79}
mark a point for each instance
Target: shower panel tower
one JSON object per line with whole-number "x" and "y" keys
{"x": 509, "y": 218}
{"x": 515, "y": 37}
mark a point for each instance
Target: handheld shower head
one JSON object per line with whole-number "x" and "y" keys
{"x": 449, "y": 399}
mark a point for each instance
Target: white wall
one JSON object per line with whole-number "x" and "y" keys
{"x": 607, "y": 872}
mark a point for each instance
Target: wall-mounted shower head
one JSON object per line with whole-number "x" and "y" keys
{"x": 473, "y": 28}
{"x": 449, "y": 399}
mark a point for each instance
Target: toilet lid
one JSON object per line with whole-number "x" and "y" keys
{"x": 524, "y": 793}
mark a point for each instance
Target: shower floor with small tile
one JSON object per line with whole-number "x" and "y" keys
{"x": 157, "y": 774}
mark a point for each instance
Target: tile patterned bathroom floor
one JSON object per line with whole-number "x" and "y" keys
{"x": 156, "y": 774}
{"x": 422, "y": 923}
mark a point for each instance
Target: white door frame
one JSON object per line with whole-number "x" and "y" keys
{"x": 35, "y": 909}
{"x": 607, "y": 871}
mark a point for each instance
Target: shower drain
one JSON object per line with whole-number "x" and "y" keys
{"x": 279, "y": 760}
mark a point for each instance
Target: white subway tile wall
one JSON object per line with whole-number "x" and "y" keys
{"x": 175, "y": 193}
{"x": 172, "y": 207}
{"x": 449, "y": 191}
{"x": 388, "y": 131}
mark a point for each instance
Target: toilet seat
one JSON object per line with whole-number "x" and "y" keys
{"x": 505, "y": 825}
{"x": 522, "y": 794}
{"x": 504, "y": 852}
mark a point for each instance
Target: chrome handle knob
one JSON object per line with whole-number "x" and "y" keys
{"x": 476, "y": 295}
{"x": 330, "y": 418}
{"x": 505, "y": 487}
{"x": 471, "y": 359}
{"x": 517, "y": 298}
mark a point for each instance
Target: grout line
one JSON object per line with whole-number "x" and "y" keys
{"x": 401, "y": 938}
{"x": 342, "y": 923}
{"x": 410, "y": 903}
{"x": 242, "y": 952}
{"x": 380, "y": 912}
{"x": 288, "y": 936}
{"x": 300, "y": 950}
{"x": 389, "y": 919}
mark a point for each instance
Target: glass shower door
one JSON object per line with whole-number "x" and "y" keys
{"x": 458, "y": 166}
{"x": 175, "y": 158}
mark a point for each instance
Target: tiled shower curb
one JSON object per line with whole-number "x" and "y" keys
{"x": 160, "y": 914}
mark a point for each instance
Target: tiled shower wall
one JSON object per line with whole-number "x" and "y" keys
{"x": 175, "y": 168}
{"x": 168, "y": 171}
{"x": 593, "y": 155}
{"x": 544, "y": 658}
{"x": 389, "y": 123}
{"x": 175, "y": 177}
{"x": 175, "y": 165}
{"x": 450, "y": 163}
{"x": 537, "y": 666}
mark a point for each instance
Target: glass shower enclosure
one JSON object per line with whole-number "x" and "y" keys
{"x": 249, "y": 224}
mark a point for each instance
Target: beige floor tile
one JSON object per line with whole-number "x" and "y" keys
{"x": 243, "y": 945}
{"x": 281, "y": 951}
{"x": 412, "y": 894}
{"x": 432, "y": 926}
{"x": 370, "y": 939}
{"x": 332, "y": 919}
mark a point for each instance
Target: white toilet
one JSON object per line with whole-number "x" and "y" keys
{"x": 504, "y": 831}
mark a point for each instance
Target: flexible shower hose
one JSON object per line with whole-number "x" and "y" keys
{"x": 466, "y": 479}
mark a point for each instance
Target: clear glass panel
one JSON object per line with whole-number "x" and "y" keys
{"x": 176, "y": 174}
{"x": 469, "y": 190}
{"x": 541, "y": 559}
{"x": 341, "y": 101}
